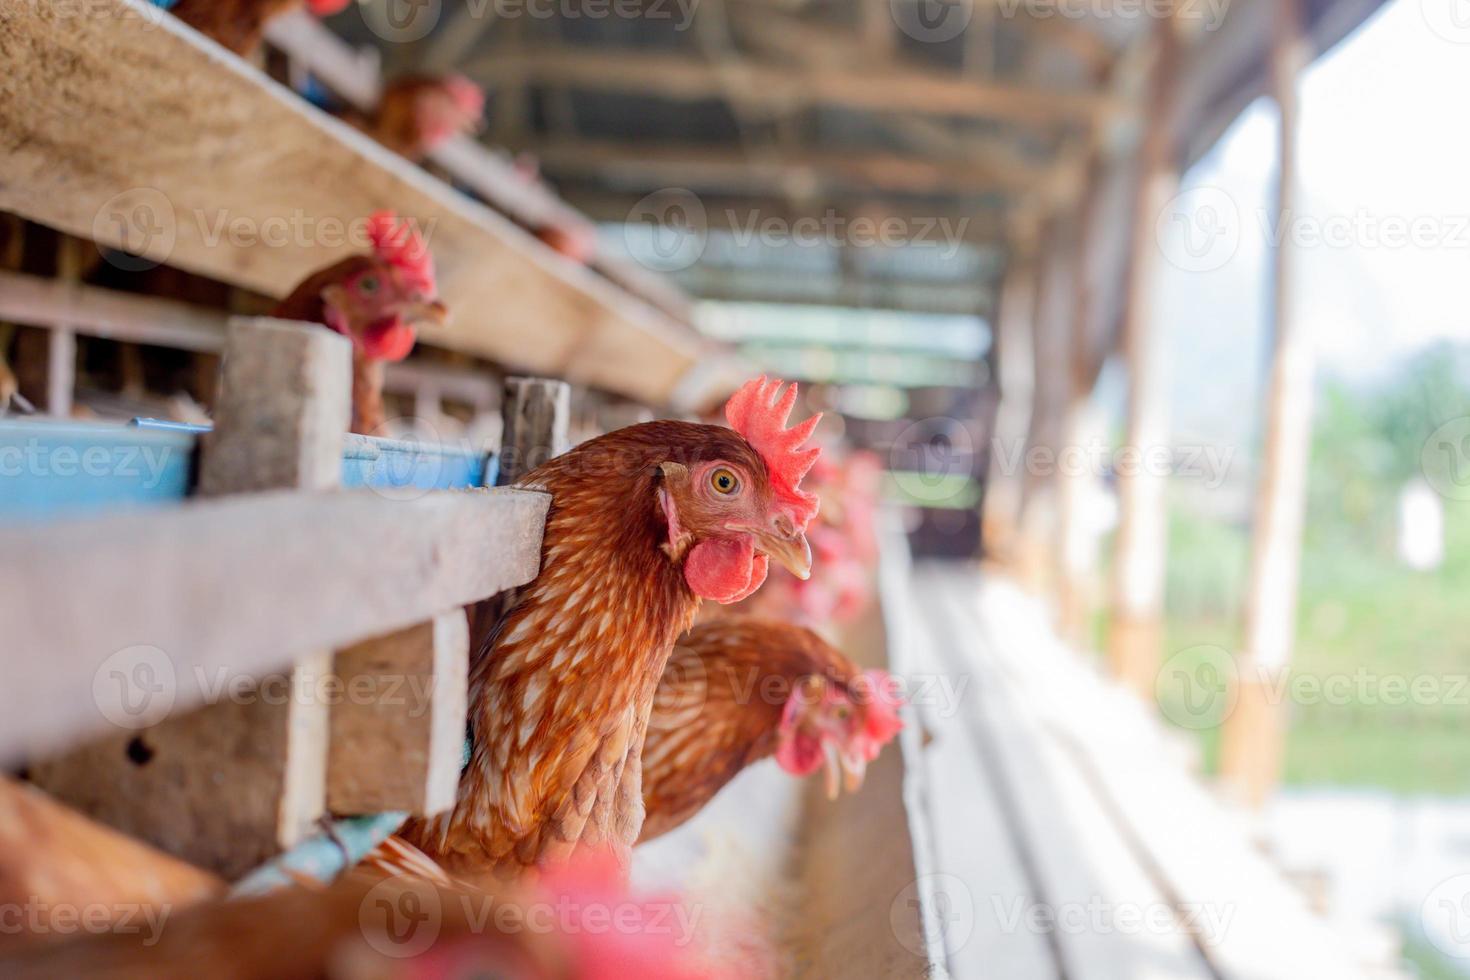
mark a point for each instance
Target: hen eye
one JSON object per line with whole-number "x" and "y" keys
{"x": 843, "y": 713}
{"x": 368, "y": 284}
{"x": 724, "y": 481}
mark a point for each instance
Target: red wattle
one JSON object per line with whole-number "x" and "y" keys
{"x": 388, "y": 340}
{"x": 758, "y": 569}
{"x": 724, "y": 569}
{"x": 800, "y": 755}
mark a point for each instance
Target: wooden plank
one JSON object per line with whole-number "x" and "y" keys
{"x": 241, "y": 585}
{"x": 488, "y": 173}
{"x": 396, "y": 743}
{"x": 282, "y": 416}
{"x": 100, "y": 145}
{"x": 978, "y": 864}
{"x": 869, "y": 905}
{"x": 92, "y": 311}
{"x": 1198, "y": 852}
{"x": 53, "y": 859}
{"x": 1103, "y": 914}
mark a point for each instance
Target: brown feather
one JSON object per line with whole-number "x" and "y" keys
{"x": 563, "y": 685}
{"x": 718, "y": 707}
{"x": 236, "y": 24}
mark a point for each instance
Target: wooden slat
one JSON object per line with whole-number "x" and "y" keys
{"x": 244, "y": 584}
{"x": 976, "y": 863}
{"x": 283, "y": 409}
{"x": 473, "y": 165}
{"x": 53, "y": 858}
{"x": 398, "y": 745}
{"x": 1198, "y": 852}
{"x": 96, "y": 312}
{"x": 98, "y": 141}
{"x": 1084, "y": 872}
{"x": 869, "y": 906}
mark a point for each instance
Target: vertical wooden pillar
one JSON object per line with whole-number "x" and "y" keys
{"x": 1135, "y": 635}
{"x": 1036, "y": 565}
{"x": 537, "y": 414}
{"x": 47, "y": 361}
{"x": 1255, "y": 733}
{"x": 1077, "y": 481}
{"x": 1015, "y": 376}
{"x": 397, "y": 734}
{"x": 260, "y": 750}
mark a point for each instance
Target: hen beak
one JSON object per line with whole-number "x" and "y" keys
{"x": 790, "y": 550}
{"x": 430, "y": 312}
{"x": 843, "y": 769}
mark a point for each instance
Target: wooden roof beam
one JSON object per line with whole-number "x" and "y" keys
{"x": 980, "y": 226}
{"x": 803, "y": 173}
{"x": 684, "y": 78}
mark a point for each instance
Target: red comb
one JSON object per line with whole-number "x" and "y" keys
{"x": 758, "y": 411}
{"x": 882, "y": 721}
{"x": 326, "y": 8}
{"x": 466, "y": 94}
{"x": 398, "y": 244}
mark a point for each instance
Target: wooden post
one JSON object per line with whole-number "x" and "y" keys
{"x": 537, "y": 414}
{"x": 388, "y": 755}
{"x": 1254, "y": 735}
{"x": 1077, "y": 482}
{"x": 48, "y": 366}
{"x": 1135, "y": 635}
{"x": 397, "y": 734}
{"x": 1015, "y": 375}
{"x": 1051, "y": 394}
{"x": 260, "y": 749}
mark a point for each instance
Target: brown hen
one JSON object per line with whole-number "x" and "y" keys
{"x": 644, "y": 522}
{"x": 740, "y": 690}
{"x": 240, "y": 24}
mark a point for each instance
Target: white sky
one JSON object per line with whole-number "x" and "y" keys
{"x": 1385, "y": 138}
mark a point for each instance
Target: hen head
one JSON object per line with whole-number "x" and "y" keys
{"x": 380, "y": 300}
{"x": 446, "y": 107}
{"x": 727, "y": 516}
{"x": 843, "y": 727}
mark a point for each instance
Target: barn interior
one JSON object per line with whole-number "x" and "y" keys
{"x": 997, "y": 245}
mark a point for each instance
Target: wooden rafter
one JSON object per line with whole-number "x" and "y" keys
{"x": 685, "y": 78}
{"x": 972, "y": 222}
{"x": 773, "y": 171}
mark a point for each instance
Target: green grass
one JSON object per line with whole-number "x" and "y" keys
{"x": 1364, "y": 621}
